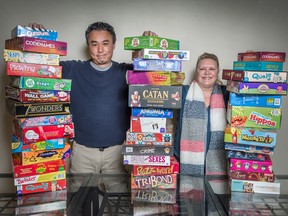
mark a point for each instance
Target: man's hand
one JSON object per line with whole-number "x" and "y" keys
{"x": 36, "y": 26}
{"x": 149, "y": 33}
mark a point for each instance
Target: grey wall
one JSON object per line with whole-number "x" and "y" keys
{"x": 224, "y": 27}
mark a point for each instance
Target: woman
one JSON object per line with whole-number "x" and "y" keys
{"x": 202, "y": 122}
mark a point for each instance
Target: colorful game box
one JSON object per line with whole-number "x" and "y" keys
{"x": 154, "y": 181}
{"x": 44, "y": 197}
{"x": 262, "y": 56}
{"x": 150, "y": 42}
{"x": 245, "y": 155}
{"x": 154, "y": 78}
{"x": 151, "y": 112}
{"x": 26, "y": 31}
{"x": 150, "y": 125}
{"x": 40, "y": 83}
{"x": 257, "y": 88}
{"x": 147, "y": 150}
{"x": 23, "y": 110}
{"x": 18, "y": 146}
{"x": 37, "y": 45}
{"x": 35, "y": 70}
{"x": 153, "y": 195}
{"x": 30, "y": 57}
{"x": 168, "y": 97}
{"x": 149, "y": 137}
{"x": 157, "y": 65}
{"x": 146, "y": 170}
{"x": 41, "y": 133}
{"x": 148, "y": 143}
{"x": 54, "y": 185}
{"x": 37, "y": 96}
{"x": 161, "y": 54}
{"x": 254, "y": 76}
{"x": 39, "y": 168}
{"x": 155, "y": 160}
{"x": 258, "y": 66}
{"x": 45, "y": 120}
{"x": 258, "y": 117}
{"x": 55, "y": 208}
{"x": 250, "y": 136}
{"x": 258, "y": 100}
{"x": 146, "y": 208}
{"x": 26, "y": 158}
{"x": 249, "y": 148}
{"x": 248, "y": 186}
{"x": 252, "y": 165}
{"x": 253, "y": 176}
{"x": 40, "y": 178}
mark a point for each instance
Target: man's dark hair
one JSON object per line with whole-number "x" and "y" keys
{"x": 101, "y": 26}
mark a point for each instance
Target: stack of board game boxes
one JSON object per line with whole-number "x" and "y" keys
{"x": 155, "y": 89}
{"x": 39, "y": 100}
{"x": 256, "y": 85}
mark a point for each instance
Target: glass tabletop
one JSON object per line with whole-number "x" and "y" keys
{"x": 239, "y": 203}
{"x": 112, "y": 194}
{"x": 60, "y": 202}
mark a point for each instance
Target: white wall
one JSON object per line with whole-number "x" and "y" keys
{"x": 224, "y": 27}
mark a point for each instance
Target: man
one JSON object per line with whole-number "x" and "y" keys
{"x": 99, "y": 103}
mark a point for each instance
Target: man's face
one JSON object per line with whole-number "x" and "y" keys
{"x": 101, "y": 47}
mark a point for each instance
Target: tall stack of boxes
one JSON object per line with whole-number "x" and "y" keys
{"x": 154, "y": 93}
{"x": 256, "y": 84}
{"x": 39, "y": 100}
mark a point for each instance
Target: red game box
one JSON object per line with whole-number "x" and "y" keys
{"x": 35, "y": 70}
{"x": 41, "y": 133}
{"x": 39, "y": 168}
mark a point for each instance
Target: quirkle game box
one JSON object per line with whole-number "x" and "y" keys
{"x": 26, "y": 31}
{"x": 255, "y": 76}
{"x": 34, "y": 70}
